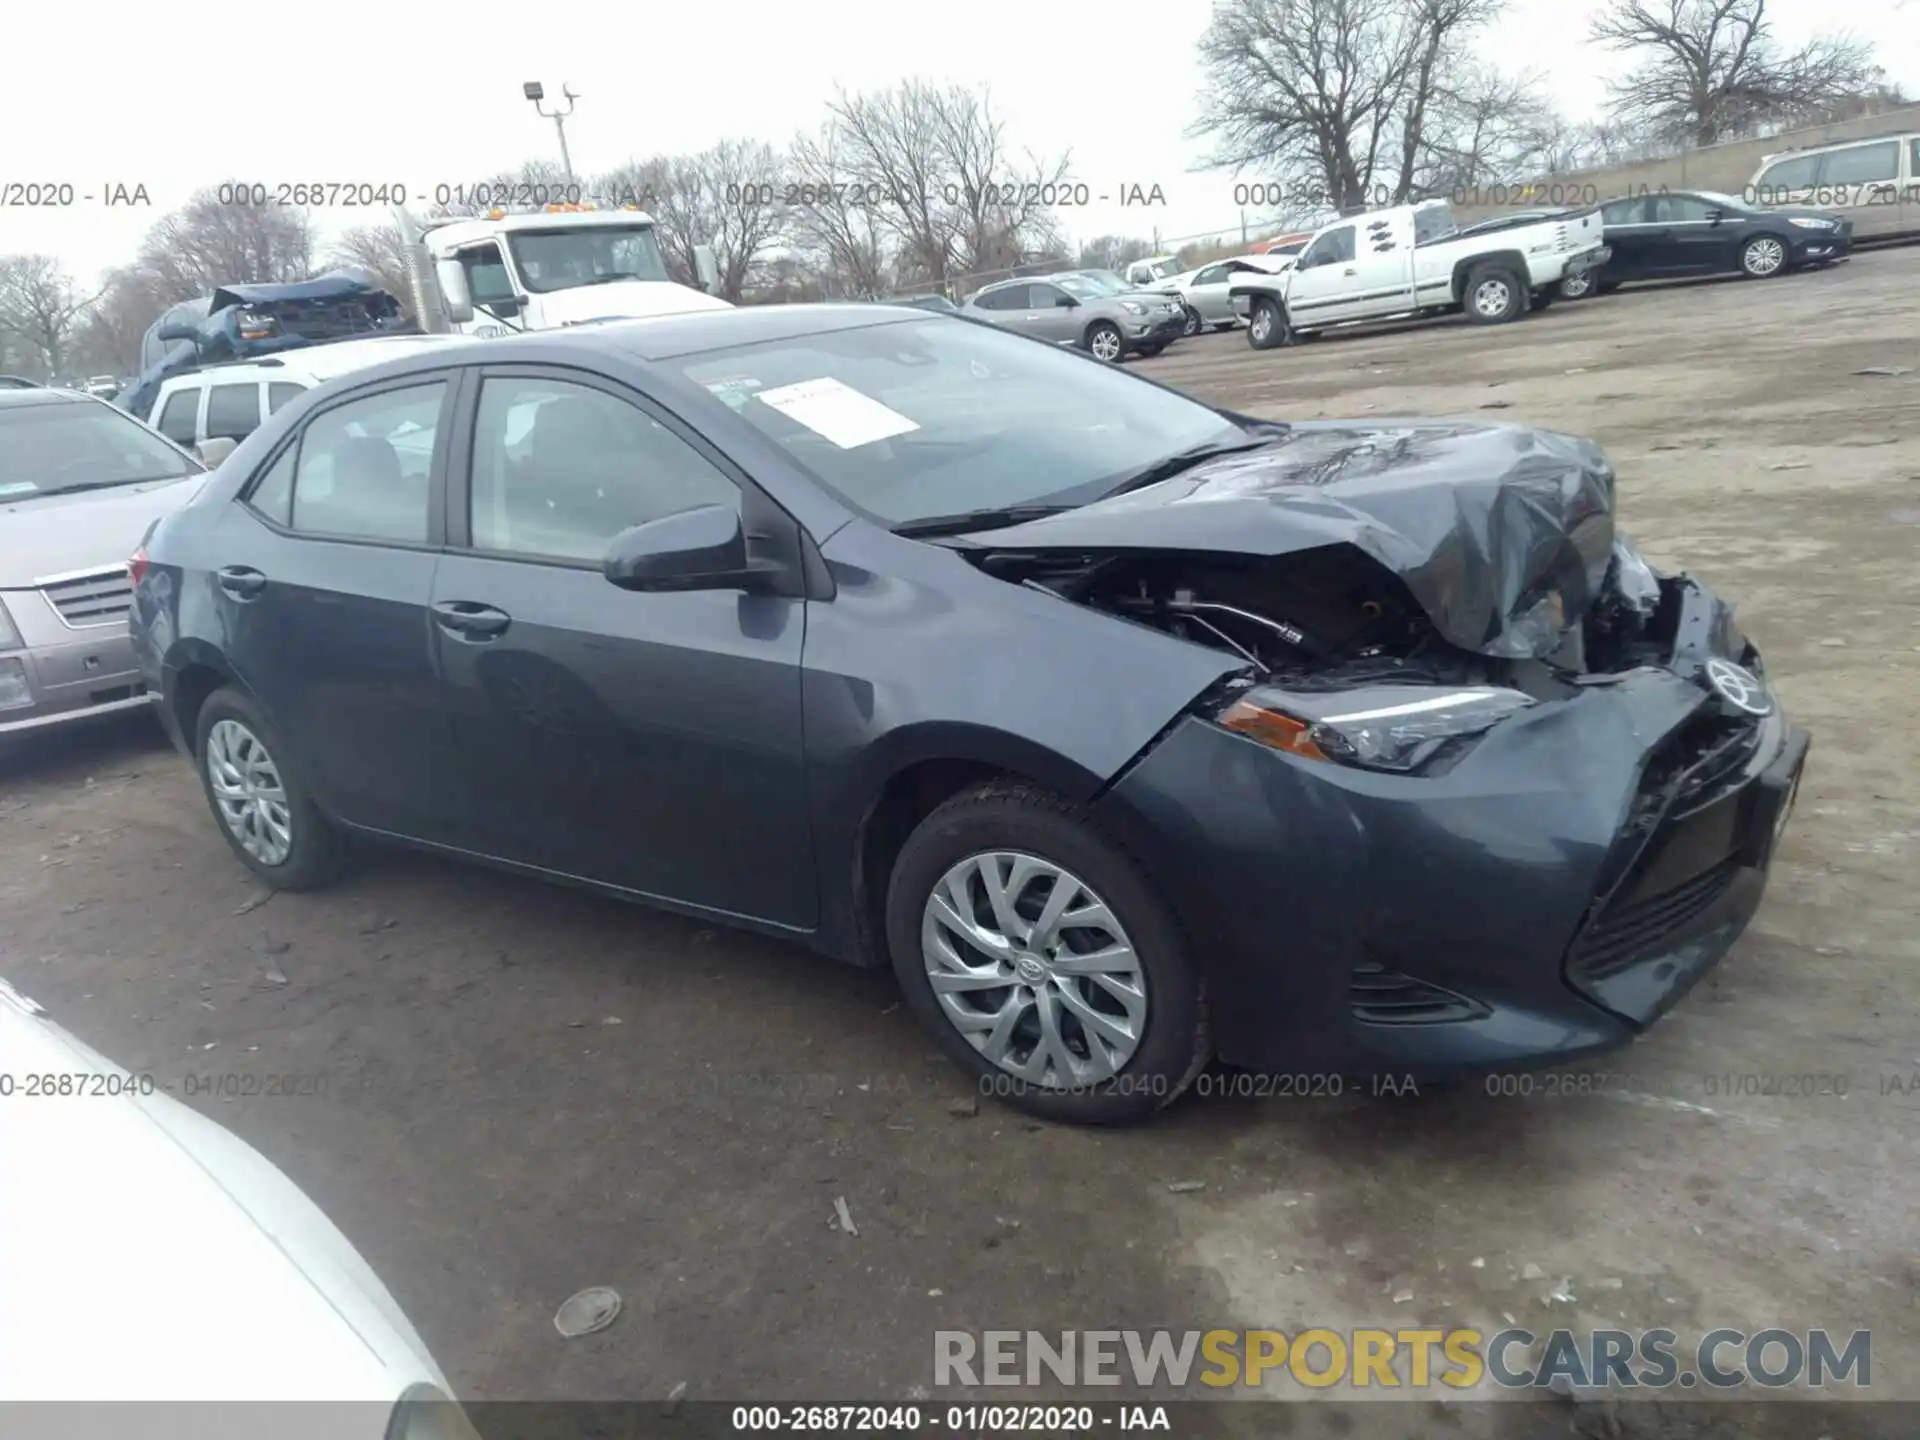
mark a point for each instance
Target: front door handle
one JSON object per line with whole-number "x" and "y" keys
{"x": 242, "y": 582}
{"x": 470, "y": 620}
{"x": 1349, "y": 271}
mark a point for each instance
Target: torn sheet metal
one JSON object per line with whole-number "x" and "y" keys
{"x": 1503, "y": 534}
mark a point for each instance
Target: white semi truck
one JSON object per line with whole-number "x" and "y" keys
{"x": 502, "y": 274}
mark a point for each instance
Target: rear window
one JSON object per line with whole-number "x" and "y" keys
{"x": 48, "y": 449}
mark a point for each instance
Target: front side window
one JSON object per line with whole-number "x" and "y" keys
{"x": 1053, "y": 297}
{"x": 487, "y": 280}
{"x": 1623, "y": 212}
{"x": 84, "y": 445}
{"x": 1332, "y": 248}
{"x": 560, "y": 469}
{"x": 587, "y": 255}
{"x": 365, "y": 466}
{"x": 233, "y": 411}
{"x": 180, "y": 415}
{"x": 1215, "y": 274}
{"x": 1431, "y": 223}
{"x": 907, "y": 421}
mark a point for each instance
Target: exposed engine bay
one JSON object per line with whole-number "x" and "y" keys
{"x": 1334, "y": 618}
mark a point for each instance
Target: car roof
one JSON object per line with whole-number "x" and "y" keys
{"x": 47, "y": 395}
{"x": 1825, "y": 145}
{"x": 318, "y": 363}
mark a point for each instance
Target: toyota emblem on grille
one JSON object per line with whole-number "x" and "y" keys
{"x": 1738, "y": 686}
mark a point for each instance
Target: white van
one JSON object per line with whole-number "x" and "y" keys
{"x": 229, "y": 401}
{"x": 1875, "y": 183}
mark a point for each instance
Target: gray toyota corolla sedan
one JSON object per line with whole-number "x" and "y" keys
{"x": 1130, "y": 732}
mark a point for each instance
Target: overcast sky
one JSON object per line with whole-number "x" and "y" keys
{"x": 176, "y": 97}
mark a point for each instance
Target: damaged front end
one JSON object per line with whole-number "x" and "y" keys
{"x": 1484, "y": 789}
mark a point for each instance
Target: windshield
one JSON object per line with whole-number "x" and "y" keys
{"x": 586, "y": 255}
{"x": 45, "y": 449}
{"x": 930, "y": 418}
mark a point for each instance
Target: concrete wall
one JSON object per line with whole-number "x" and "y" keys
{"x": 1726, "y": 167}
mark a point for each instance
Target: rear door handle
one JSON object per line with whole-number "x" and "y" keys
{"x": 242, "y": 582}
{"x": 470, "y": 620}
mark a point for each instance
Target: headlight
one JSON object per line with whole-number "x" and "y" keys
{"x": 423, "y": 1413}
{"x": 1133, "y": 307}
{"x": 9, "y": 635}
{"x": 1808, "y": 223}
{"x": 1396, "y": 728}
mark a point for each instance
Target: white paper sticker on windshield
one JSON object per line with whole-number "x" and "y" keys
{"x": 838, "y": 412}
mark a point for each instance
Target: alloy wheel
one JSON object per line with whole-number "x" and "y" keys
{"x": 1575, "y": 287}
{"x": 1764, "y": 256}
{"x": 1194, "y": 323}
{"x": 1261, "y": 326}
{"x": 1034, "y": 970}
{"x": 249, "y": 792}
{"x": 1105, "y": 344}
{"x": 1492, "y": 296}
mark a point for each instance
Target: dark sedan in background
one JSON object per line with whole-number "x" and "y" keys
{"x": 1678, "y": 233}
{"x": 1130, "y": 732}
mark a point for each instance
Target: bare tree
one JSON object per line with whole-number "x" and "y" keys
{"x": 379, "y": 250}
{"x": 206, "y": 244}
{"x": 40, "y": 306}
{"x": 1333, "y": 100}
{"x": 935, "y": 166}
{"x": 110, "y": 333}
{"x": 1485, "y": 128}
{"x": 842, "y": 237}
{"x": 1712, "y": 69}
{"x": 731, "y": 197}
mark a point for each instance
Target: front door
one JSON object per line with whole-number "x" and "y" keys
{"x": 1325, "y": 281}
{"x": 1688, "y": 239}
{"x": 648, "y": 741}
{"x": 321, "y": 579}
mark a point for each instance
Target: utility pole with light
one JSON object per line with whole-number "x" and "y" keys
{"x": 536, "y": 92}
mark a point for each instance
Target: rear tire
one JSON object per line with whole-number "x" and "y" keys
{"x": 258, "y": 799}
{"x": 1148, "y": 1027}
{"x": 1494, "y": 295}
{"x": 1266, "y": 325}
{"x": 1576, "y": 287}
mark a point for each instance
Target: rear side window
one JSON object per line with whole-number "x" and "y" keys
{"x": 233, "y": 411}
{"x": 1862, "y": 164}
{"x": 1623, "y": 212}
{"x": 280, "y": 392}
{"x": 365, "y": 466}
{"x": 178, "y": 416}
{"x": 1013, "y": 297}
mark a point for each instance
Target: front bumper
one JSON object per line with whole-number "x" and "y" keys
{"x": 1145, "y": 330}
{"x": 1818, "y": 247}
{"x": 1568, "y": 880}
{"x": 90, "y": 675}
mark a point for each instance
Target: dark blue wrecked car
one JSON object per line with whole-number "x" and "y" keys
{"x": 244, "y": 322}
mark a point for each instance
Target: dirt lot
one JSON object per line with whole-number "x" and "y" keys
{"x": 529, "y": 1091}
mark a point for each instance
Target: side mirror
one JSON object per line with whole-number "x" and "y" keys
{"x": 179, "y": 330}
{"x": 706, "y": 268}
{"x": 699, "y": 549}
{"x": 1715, "y": 216}
{"x": 214, "y": 449}
{"x": 453, "y": 288}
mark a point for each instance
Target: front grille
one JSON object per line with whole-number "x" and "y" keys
{"x": 1699, "y": 759}
{"x": 1620, "y": 937}
{"x": 1379, "y": 996}
{"x": 100, "y": 598}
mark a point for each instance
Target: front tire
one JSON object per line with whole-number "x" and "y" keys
{"x": 258, "y": 798}
{"x": 1104, "y": 342}
{"x": 1494, "y": 295}
{"x": 1266, "y": 325}
{"x": 1194, "y": 323}
{"x": 1763, "y": 257}
{"x": 1044, "y": 960}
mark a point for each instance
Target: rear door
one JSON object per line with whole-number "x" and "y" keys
{"x": 177, "y": 416}
{"x": 321, "y": 577}
{"x": 1861, "y": 183}
{"x": 233, "y": 410}
{"x": 648, "y": 741}
{"x": 1633, "y": 238}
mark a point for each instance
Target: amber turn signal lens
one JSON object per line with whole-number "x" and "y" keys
{"x": 1270, "y": 727}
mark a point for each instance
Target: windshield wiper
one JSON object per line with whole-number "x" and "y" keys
{"x": 1184, "y": 460}
{"x": 970, "y": 520}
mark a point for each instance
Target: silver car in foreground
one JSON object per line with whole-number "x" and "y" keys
{"x": 1095, "y": 314}
{"x": 80, "y": 482}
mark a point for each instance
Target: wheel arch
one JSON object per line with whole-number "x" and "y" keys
{"x": 194, "y": 670}
{"x": 1508, "y": 259}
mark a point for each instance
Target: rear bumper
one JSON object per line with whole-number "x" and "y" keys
{"x": 1587, "y": 260}
{"x": 1548, "y": 898}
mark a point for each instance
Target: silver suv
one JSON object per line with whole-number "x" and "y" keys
{"x": 1084, "y": 309}
{"x": 80, "y": 483}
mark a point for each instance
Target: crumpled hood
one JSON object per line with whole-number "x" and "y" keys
{"x": 90, "y": 530}
{"x": 1501, "y": 533}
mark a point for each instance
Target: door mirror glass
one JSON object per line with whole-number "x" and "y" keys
{"x": 699, "y": 549}
{"x": 453, "y": 287}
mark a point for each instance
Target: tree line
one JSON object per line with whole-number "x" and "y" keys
{"x": 1329, "y": 103}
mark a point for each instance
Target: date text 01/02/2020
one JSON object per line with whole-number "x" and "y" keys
{"x": 481, "y": 195}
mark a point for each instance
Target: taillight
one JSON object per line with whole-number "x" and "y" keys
{"x": 137, "y": 566}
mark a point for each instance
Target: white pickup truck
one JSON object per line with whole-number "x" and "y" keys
{"x": 1413, "y": 260}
